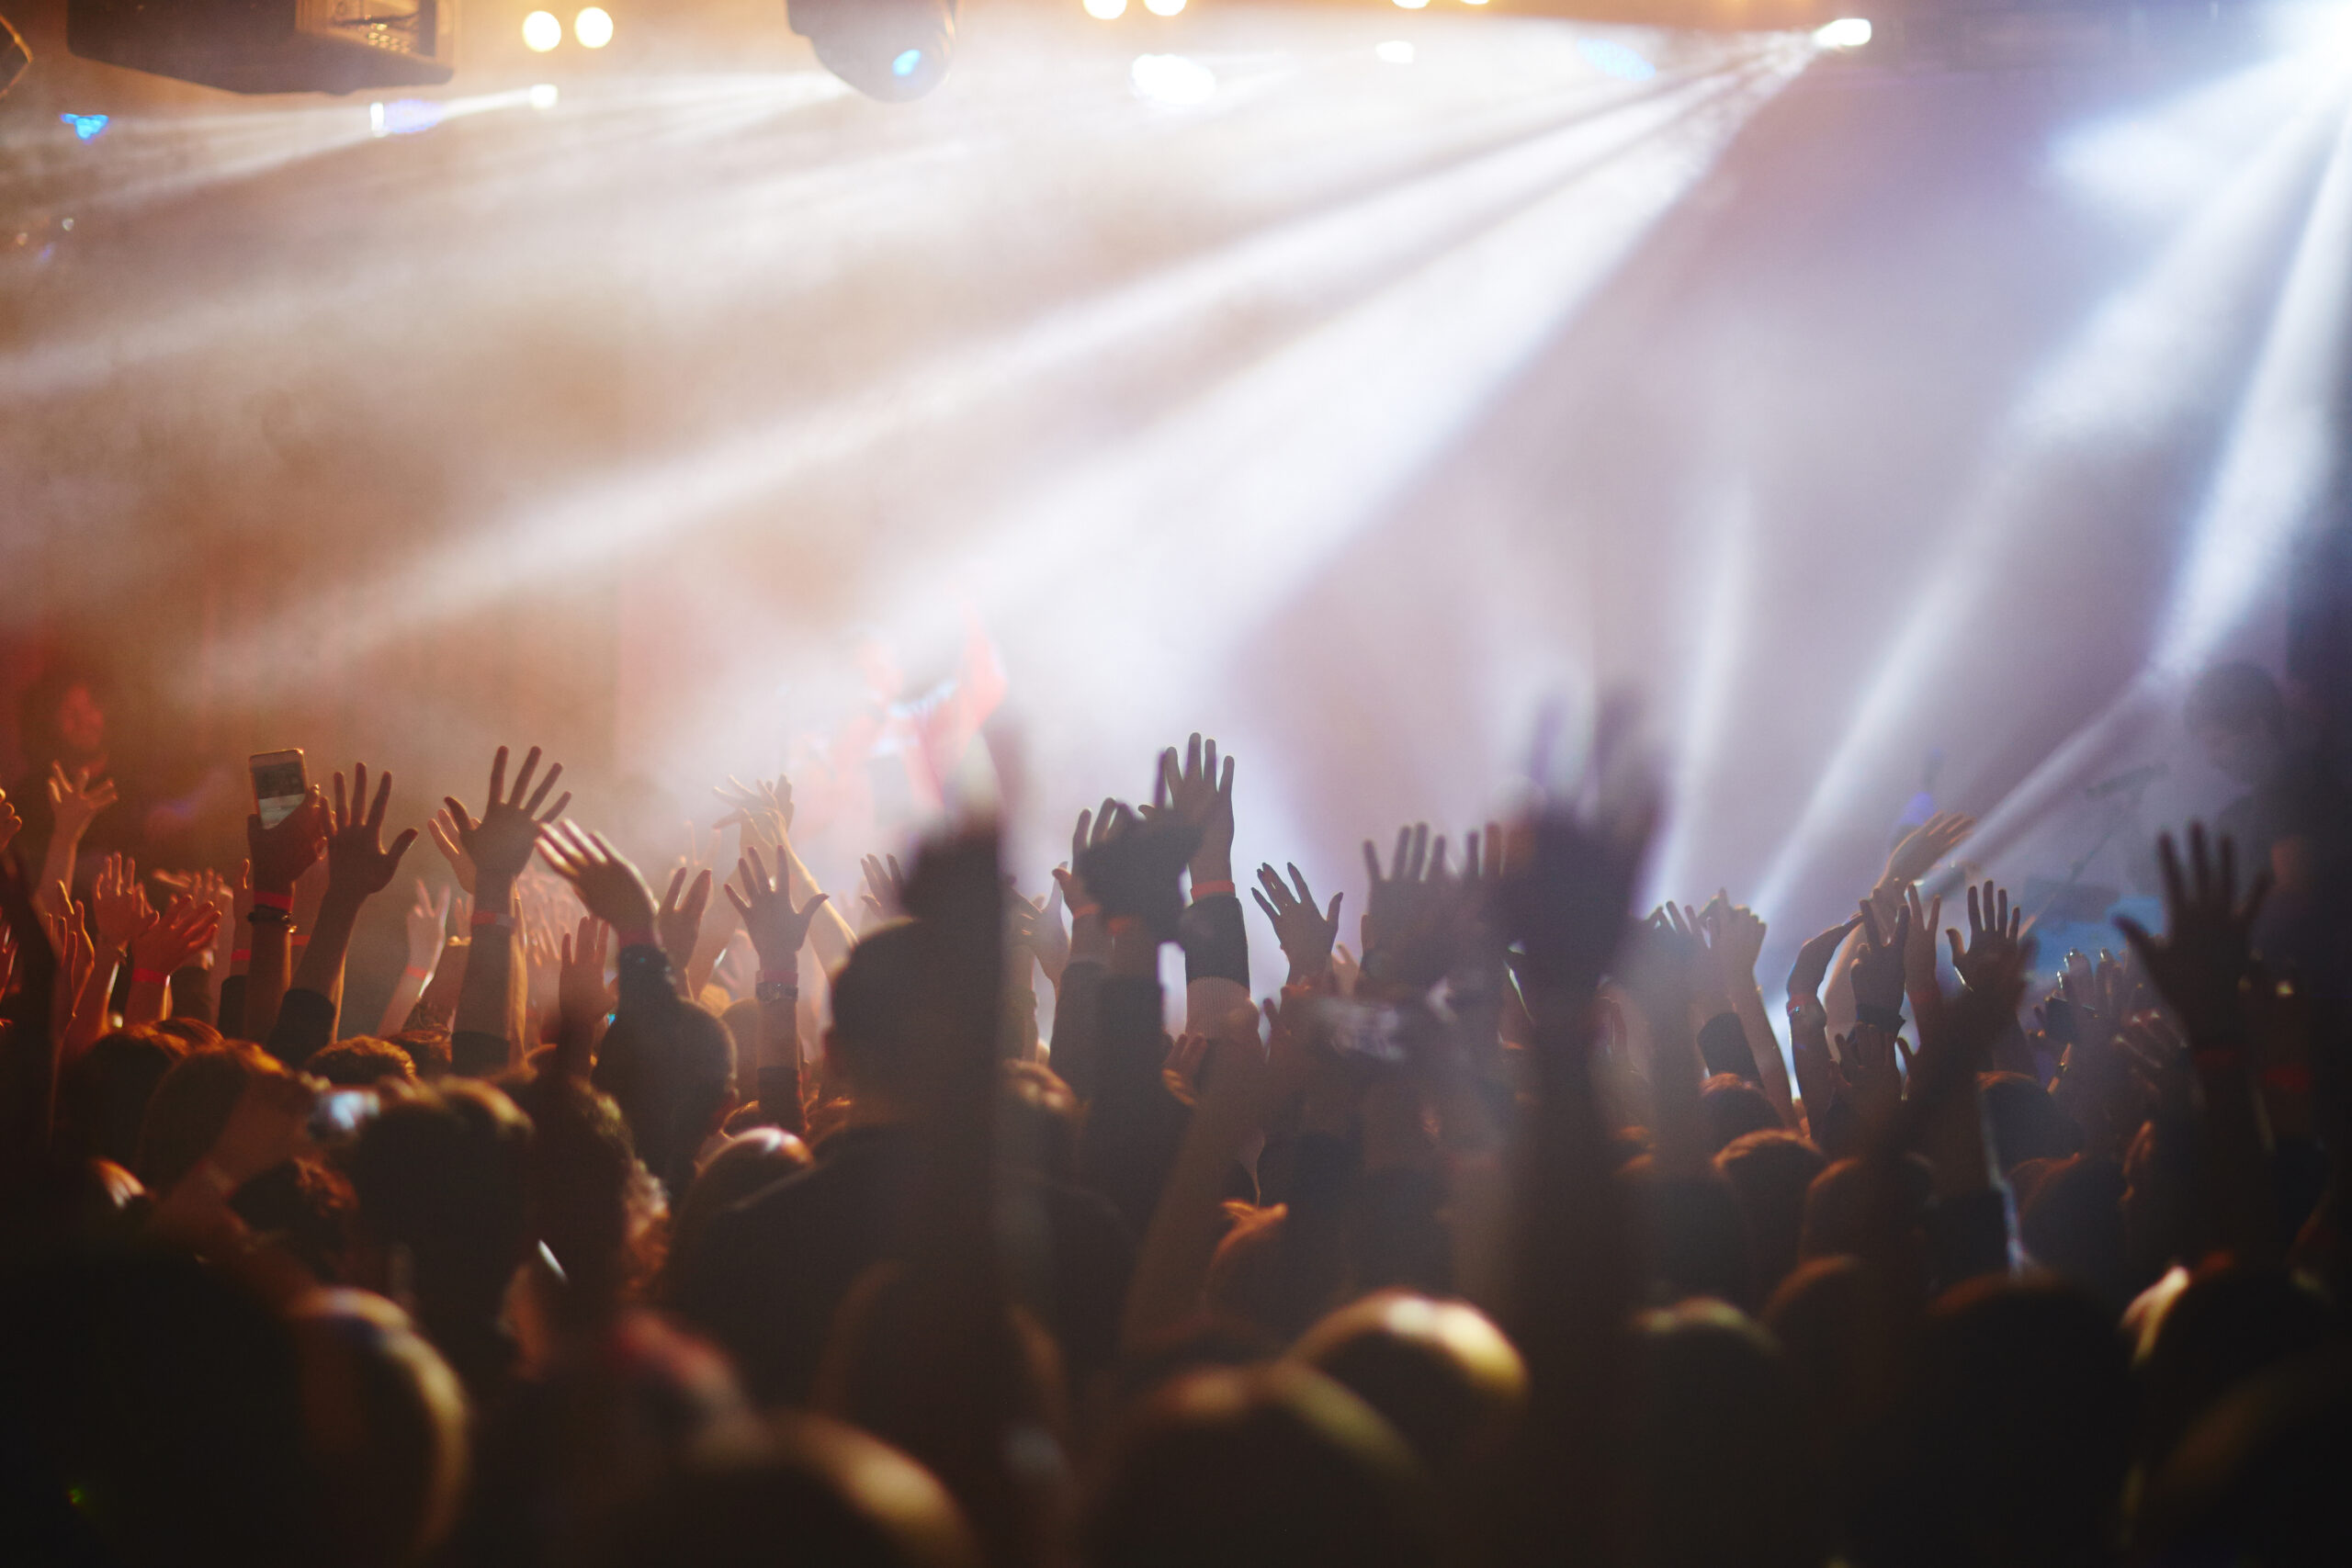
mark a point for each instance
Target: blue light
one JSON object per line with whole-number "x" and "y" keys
{"x": 907, "y": 63}
{"x": 85, "y": 126}
{"x": 406, "y": 116}
{"x": 1614, "y": 59}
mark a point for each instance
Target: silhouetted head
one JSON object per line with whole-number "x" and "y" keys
{"x": 881, "y": 998}
{"x": 743, "y": 1164}
{"x": 1725, "y": 1461}
{"x": 1698, "y": 1236}
{"x": 2011, "y": 1441}
{"x": 2258, "y": 1479}
{"x": 1768, "y": 1172}
{"x": 189, "y": 1107}
{"x": 443, "y": 1182}
{"x": 1833, "y": 1320}
{"x": 102, "y": 1097}
{"x": 361, "y": 1062}
{"x": 428, "y": 1048}
{"x": 1274, "y": 1467}
{"x": 591, "y": 1204}
{"x": 384, "y": 1421}
{"x": 672, "y": 1071}
{"x": 1732, "y": 1107}
{"x": 1439, "y": 1372}
{"x": 2026, "y": 1123}
{"x": 2070, "y": 1216}
{"x": 2231, "y": 1322}
{"x": 804, "y": 1488}
{"x": 63, "y": 716}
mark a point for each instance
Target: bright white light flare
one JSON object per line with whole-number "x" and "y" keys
{"x": 1172, "y": 79}
{"x": 1396, "y": 52}
{"x": 1164, "y": 7}
{"x": 541, "y": 31}
{"x": 1846, "y": 32}
{"x": 593, "y": 27}
{"x": 1106, "y": 10}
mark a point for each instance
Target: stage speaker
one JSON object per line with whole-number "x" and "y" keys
{"x": 272, "y": 46}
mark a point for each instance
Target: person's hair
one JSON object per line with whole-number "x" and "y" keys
{"x": 385, "y": 1427}
{"x": 103, "y": 1097}
{"x": 1730, "y": 1107}
{"x": 743, "y": 1164}
{"x": 2070, "y": 1216}
{"x": 37, "y": 706}
{"x": 2025, "y": 1121}
{"x": 193, "y": 1032}
{"x": 427, "y": 1048}
{"x": 1698, "y": 1244}
{"x": 360, "y": 1061}
{"x": 1769, "y": 1171}
{"x": 188, "y": 1109}
{"x": 672, "y": 1071}
{"x": 2235, "y": 696}
{"x": 1439, "y": 1372}
{"x": 1726, "y": 1469}
{"x": 1273, "y": 1467}
{"x": 878, "y": 1000}
{"x": 1037, "y": 1122}
{"x": 2229, "y": 1324}
{"x": 444, "y": 1173}
{"x": 2010, "y": 1444}
{"x": 830, "y": 1493}
{"x": 591, "y": 1203}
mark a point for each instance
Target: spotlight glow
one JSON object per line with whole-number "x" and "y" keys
{"x": 541, "y": 31}
{"x": 1172, "y": 79}
{"x": 1164, "y": 7}
{"x": 1106, "y": 10}
{"x": 1846, "y": 32}
{"x": 544, "y": 95}
{"x": 593, "y": 27}
{"x": 85, "y": 126}
{"x": 1396, "y": 52}
{"x": 1614, "y": 59}
{"x": 1411, "y": 5}
{"x": 908, "y": 63}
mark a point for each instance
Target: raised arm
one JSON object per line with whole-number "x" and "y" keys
{"x": 483, "y": 1038}
{"x": 777, "y": 932}
{"x": 359, "y": 866}
{"x": 280, "y": 856}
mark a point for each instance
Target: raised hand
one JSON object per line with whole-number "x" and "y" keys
{"x": 1918, "y": 851}
{"x": 1094, "y": 829}
{"x": 679, "y": 920}
{"x": 444, "y": 828}
{"x": 118, "y": 907}
{"x": 281, "y": 854}
{"x": 1813, "y": 963}
{"x": 776, "y": 929}
{"x": 2207, "y": 952}
{"x": 1132, "y": 866}
{"x": 1199, "y": 797}
{"x": 1866, "y": 1073}
{"x": 1569, "y": 899}
{"x": 1049, "y": 936}
{"x": 73, "y": 800}
{"x": 761, "y": 809}
{"x": 184, "y": 928}
{"x": 359, "y": 865}
{"x": 500, "y": 844}
{"x": 886, "y": 889}
{"x": 1412, "y": 925}
{"x": 1995, "y": 934}
{"x": 428, "y": 924}
{"x": 607, "y": 883}
{"x": 1305, "y": 933}
{"x": 1735, "y": 936}
{"x": 1920, "y": 941}
{"x": 1878, "y": 972}
{"x": 579, "y": 989}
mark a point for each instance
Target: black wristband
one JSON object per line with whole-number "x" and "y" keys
{"x": 264, "y": 915}
{"x": 1877, "y": 1017}
{"x": 776, "y": 991}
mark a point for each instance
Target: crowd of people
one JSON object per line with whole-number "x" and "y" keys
{"x": 649, "y": 1227}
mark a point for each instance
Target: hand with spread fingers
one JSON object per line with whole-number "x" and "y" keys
{"x": 1305, "y": 932}
{"x": 500, "y": 843}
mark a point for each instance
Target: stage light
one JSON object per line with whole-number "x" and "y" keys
{"x": 1172, "y": 79}
{"x": 1396, "y": 52}
{"x": 1164, "y": 7}
{"x": 1411, "y": 5}
{"x": 85, "y": 126}
{"x": 891, "y": 49}
{"x": 593, "y": 27}
{"x": 544, "y": 95}
{"x": 1846, "y": 32}
{"x": 541, "y": 31}
{"x": 1106, "y": 10}
{"x": 1614, "y": 59}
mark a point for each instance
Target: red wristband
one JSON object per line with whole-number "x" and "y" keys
{"x": 1122, "y": 924}
{"x": 635, "y": 939}
{"x": 299, "y": 939}
{"x": 149, "y": 977}
{"x": 1209, "y": 889}
{"x": 492, "y": 918}
{"x": 413, "y": 972}
{"x": 241, "y": 955}
{"x": 284, "y": 901}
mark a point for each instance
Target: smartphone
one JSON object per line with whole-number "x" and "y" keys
{"x": 280, "y": 784}
{"x": 338, "y": 1114}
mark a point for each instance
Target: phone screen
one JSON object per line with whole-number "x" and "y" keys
{"x": 341, "y": 1113}
{"x": 279, "y": 786}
